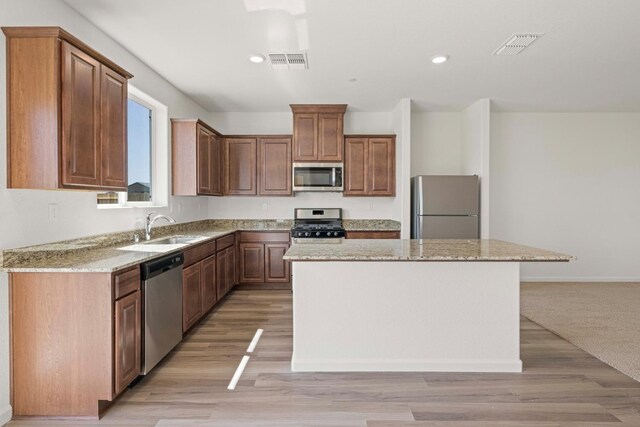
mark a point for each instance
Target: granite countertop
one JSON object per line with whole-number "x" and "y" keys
{"x": 371, "y": 225}
{"x": 101, "y": 253}
{"x": 421, "y": 250}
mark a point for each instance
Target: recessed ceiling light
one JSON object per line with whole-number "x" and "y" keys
{"x": 256, "y": 58}
{"x": 439, "y": 59}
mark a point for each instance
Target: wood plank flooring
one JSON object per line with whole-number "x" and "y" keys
{"x": 561, "y": 385}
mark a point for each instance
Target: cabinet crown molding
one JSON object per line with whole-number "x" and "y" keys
{"x": 318, "y": 108}
{"x": 57, "y": 32}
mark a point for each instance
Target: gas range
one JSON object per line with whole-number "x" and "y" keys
{"x": 313, "y": 224}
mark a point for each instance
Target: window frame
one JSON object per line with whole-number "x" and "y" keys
{"x": 159, "y": 155}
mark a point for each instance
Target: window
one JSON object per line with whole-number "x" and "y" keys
{"x": 139, "y": 128}
{"x": 147, "y": 156}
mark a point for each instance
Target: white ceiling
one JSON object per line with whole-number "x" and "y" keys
{"x": 588, "y": 59}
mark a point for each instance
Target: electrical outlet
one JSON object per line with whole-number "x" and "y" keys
{"x": 265, "y": 206}
{"x": 53, "y": 212}
{"x": 371, "y": 206}
{"x": 179, "y": 207}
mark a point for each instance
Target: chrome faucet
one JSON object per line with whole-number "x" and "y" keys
{"x": 150, "y": 221}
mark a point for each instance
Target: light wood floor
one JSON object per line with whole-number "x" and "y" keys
{"x": 560, "y": 386}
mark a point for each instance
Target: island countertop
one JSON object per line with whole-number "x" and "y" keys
{"x": 422, "y": 250}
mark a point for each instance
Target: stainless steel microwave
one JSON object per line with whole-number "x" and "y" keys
{"x": 317, "y": 176}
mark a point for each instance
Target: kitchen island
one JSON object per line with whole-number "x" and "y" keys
{"x": 409, "y": 305}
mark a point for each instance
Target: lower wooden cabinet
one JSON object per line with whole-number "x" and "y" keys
{"x": 251, "y": 262}
{"x": 209, "y": 292}
{"x": 209, "y": 274}
{"x": 276, "y": 269}
{"x": 376, "y": 234}
{"x": 261, "y": 257}
{"x": 226, "y": 274}
{"x": 128, "y": 340}
{"x": 78, "y": 334}
{"x": 191, "y": 295}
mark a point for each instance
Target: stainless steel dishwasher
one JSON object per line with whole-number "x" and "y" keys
{"x": 162, "y": 280}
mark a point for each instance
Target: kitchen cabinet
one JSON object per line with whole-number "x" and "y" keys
{"x": 76, "y": 333}
{"x": 318, "y": 132}
{"x": 261, "y": 257}
{"x": 240, "y": 166}
{"x": 128, "y": 315}
{"x": 209, "y": 273}
{"x": 209, "y": 291}
{"x": 191, "y": 295}
{"x": 376, "y": 234}
{"x": 196, "y": 153}
{"x": 274, "y": 166}
{"x": 370, "y": 166}
{"x": 66, "y": 112}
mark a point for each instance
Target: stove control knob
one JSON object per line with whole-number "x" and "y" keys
{"x": 328, "y": 234}
{"x": 307, "y": 233}
{"x": 335, "y": 233}
{"x": 318, "y": 233}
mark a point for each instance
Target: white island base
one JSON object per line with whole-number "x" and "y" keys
{"x": 406, "y": 316}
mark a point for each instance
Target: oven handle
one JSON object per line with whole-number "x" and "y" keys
{"x": 333, "y": 177}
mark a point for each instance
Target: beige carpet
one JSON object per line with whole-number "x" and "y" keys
{"x": 601, "y": 318}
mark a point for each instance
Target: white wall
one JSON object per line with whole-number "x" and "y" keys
{"x": 569, "y": 182}
{"x": 24, "y": 213}
{"x": 282, "y": 207}
{"x": 475, "y": 154}
{"x": 436, "y": 143}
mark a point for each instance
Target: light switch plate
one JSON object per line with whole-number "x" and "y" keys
{"x": 53, "y": 212}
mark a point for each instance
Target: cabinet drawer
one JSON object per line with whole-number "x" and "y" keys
{"x": 127, "y": 282}
{"x": 381, "y": 234}
{"x": 198, "y": 253}
{"x": 264, "y": 236}
{"x": 225, "y": 242}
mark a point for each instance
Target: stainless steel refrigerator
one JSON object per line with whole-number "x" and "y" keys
{"x": 445, "y": 207}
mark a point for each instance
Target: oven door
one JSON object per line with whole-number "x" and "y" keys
{"x": 317, "y": 176}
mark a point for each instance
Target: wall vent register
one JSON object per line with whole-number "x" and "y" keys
{"x": 289, "y": 61}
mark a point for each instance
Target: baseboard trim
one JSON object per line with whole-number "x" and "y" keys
{"x": 580, "y": 279}
{"x": 5, "y": 415}
{"x": 411, "y": 365}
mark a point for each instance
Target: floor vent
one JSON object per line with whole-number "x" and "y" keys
{"x": 288, "y": 61}
{"x": 516, "y": 44}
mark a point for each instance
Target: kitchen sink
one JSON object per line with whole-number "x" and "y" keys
{"x": 176, "y": 240}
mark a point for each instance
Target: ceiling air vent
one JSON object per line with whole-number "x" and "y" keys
{"x": 288, "y": 61}
{"x": 516, "y": 44}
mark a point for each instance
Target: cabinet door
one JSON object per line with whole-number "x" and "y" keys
{"x": 274, "y": 167}
{"x": 330, "y": 137}
{"x": 252, "y": 263}
{"x": 230, "y": 268}
{"x": 276, "y": 268}
{"x": 127, "y": 340}
{"x": 80, "y": 118}
{"x": 191, "y": 296}
{"x": 216, "y": 164}
{"x": 240, "y": 166}
{"x": 305, "y": 137}
{"x": 209, "y": 292}
{"x": 356, "y": 171}
{"x": 382, "y": 167}
{"x": 113, "y": 129}
{"x": 221, "y": 271}
{"x": 203, "y": 160}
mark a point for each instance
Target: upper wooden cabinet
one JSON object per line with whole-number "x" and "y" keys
{"x": 240, "y": 166}
{"x": 318, "y": 132}
{"x": 370, "y": 165}
{"x": 257, "y": 165}
{"x": 274, "y": 166}
{"x": 196, "y": 159}
{"x": 67, "y": 113}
